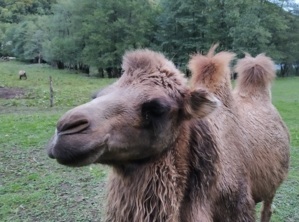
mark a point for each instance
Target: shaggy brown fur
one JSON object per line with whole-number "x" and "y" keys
{"x": 268, "y": 137}
{"x": 170, "y": 162}
{"x": 249, "y": 118}
{"x": 255, "y": 74}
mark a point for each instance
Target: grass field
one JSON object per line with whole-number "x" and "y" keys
{"x": 36, "y": 188}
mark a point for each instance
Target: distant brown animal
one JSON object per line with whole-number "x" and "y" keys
{"x": 175, "y": 156}
{"x": 22, "y": 74}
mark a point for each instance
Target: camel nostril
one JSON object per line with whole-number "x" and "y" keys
{"x": 72, "y": 124}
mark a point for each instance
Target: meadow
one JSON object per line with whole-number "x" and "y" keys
{"x": 34, "y": 187}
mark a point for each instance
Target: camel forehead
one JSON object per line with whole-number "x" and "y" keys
{"x": 148, "y": 69}
{"x": 130, "y": 98}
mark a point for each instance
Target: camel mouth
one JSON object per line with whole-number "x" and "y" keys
{"x": 75, "y": 152}
{"x": 50, "y": 154}
{"x": 75, "y": 159}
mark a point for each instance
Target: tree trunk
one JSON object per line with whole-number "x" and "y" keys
{"x": 109, "y": 72}
{"x": 60, "y": 65}
{"x": 284, "y": 69}
{"x": 101, "y": 72}
{"x": 297, "y": 69}
{"x": 39, "y": 58}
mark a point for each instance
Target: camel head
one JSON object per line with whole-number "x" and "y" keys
{"x": 134, "y": 120}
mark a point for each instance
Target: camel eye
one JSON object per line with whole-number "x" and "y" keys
{"x": 154, "y": 108}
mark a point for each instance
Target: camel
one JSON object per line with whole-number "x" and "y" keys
{"x": 173, "y": 154}
{"x": 22, "y": 74}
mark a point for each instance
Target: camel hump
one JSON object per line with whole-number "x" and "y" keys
{"x": 256, "y": 72}
{"x": 212, "y": 69}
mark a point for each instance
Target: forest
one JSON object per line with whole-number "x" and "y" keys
{"x": 91, "y": 35}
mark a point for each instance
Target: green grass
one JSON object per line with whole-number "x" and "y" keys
{"x": 286, "y": 99}
{"x": 70, "y": 89}
{"x": 36, "y": 188}
{"x": 32, "y": 186}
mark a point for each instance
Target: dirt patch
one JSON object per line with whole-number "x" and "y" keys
{"x": 10, "y": 93}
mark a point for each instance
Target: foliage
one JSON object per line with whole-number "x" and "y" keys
{"x": 129, "y": 27}
{"x": 101, "y": 36}
{"x": 186, "y": 27}
{"x": 182, "y": 29}
{"x": 22, "y": 31}
{"x": 95, "y": 33}
{"x": 15, "y": 11}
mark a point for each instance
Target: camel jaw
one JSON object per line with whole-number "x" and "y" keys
{"x": 74, "y": 150}
{"x": 71, "y": 150}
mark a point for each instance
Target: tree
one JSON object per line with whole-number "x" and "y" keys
{"x": 60, "y": 46}
{"x": 182, "y": 29}
{"x": 249, "y": 35}
{"x": 22, "y": 35}
{"x": 17, "y": 10}
{"x": 114, "y": 27}
{"x": 80, "y": 34}
{"x": 283, "y": 23}
{"x": 100, "y": 37}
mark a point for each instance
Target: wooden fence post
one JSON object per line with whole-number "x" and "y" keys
{"x": 51, "y": 92}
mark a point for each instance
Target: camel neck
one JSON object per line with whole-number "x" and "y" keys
{"x": 152, "y": 192}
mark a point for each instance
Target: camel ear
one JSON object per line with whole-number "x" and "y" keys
{"x": 200, "y": 104}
